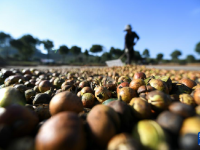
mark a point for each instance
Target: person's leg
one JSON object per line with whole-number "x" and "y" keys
{"x": 133, "y": 58}
{"x": 131, "y": 55}
{"x": 127, "y": 58}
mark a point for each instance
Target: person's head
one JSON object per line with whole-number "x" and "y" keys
{"x": 128, "y": 28}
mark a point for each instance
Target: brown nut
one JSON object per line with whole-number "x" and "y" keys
{"x": 170, "y": 121}
{"x": 159, "y": 100}
{"x": 123, "y": 141}
{"x": 141, "y": 108}
{"x": 182, "y": 109}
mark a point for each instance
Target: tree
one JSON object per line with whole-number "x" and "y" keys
{"x": 159, "y": 57}
{"x": 29, "y": 40}
{"x": 86, "y": 53}
{"x": 18, "y": 44}
{"x": 48, "y": 45}
{"x": 75, "y": 50}
{"x": 197, "y": 48}
{"x": 116, "y": 53}
{"x": 29, "y": 45}
{"x": 175, "y": 54}
{"x": 98, "y": 59}
{"x": 63, "y": 50}
{"x": 106, "y": 56}
{"x": 137, "y": 56}
{"x": 4, "y": 39}
{"x": 26, "y": 45}
{"x": 96, "y": 48}
{"x": 190, "y": 58}
{"x": 146, "y": 53}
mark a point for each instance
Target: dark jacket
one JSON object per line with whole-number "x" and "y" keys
{"x": 129, "y": 40}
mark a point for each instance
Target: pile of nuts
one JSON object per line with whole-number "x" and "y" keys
{"x": 107, "y": 108}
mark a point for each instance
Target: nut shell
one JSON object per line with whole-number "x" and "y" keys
{"x": 63, "y": 131}
{"x": 188, "y": 82}
{"x": 65, "y": 101}
{"x": 182, "y": 109}
{"x": 104, "y": 123}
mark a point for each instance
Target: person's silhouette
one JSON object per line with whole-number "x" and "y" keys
{"x": 129, "y": 43}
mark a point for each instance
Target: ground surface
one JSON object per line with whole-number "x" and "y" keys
{"x": 197, "y": 68}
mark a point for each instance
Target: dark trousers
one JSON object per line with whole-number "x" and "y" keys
{"x": 129, "y": 56}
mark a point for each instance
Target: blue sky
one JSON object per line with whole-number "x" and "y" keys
{"x": 163, "y": 25}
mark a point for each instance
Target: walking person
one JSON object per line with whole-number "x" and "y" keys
{"x": 130, "y": 40}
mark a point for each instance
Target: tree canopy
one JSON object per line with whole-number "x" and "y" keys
{"x": 190, "y": 58}
{"x": 137, "y": 56}
{"x": 48, "y": 45}
{"x": 26, "y": 45}
{"x": 28, "y": 40}
{"x": 18, "y": 44}
{"x": 75, "y": 50}
{"x": 159, "y": 57}
{"x": 63, "y": 50}
{"x": 197, "y": 48}
{"x": 115, "y": 53}
{"x": 86, "y": 53}
{"x": 175, "y": 54}
{"x": 146, "y": 53}
{"x": 3, "y": 38}
{"x": 96, "y": 48}
{"x": 106, "y": 56}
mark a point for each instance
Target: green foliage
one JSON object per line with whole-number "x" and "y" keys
{"x": 2, "y": 63}
{"x": 63, "y": 50}
{"x": 80, "y": 59}
{"x": 26, "y": 45}
{"x": 48, "y": 45}
{"x": 113, "y": 52}
{"x": 75, "y": 50}
{"x": 175, "y": 54}
{"x": 190, "y": 58}
{"x": 166, "y": 61}
{"x": 96, "y": 48}
{"x": 86, "y": 53}
{"x": 137, "y": 56}
{"x": 197, "y": 48}
{"x": 17, "y": 57}
{"x": 29, "y": 45}
{"x": 116, "y": 53}
{"x": 3, "y": 38}
{"x": 146, "y": 53}
{"x": 97, "y": 59}
{"x": 4, "y": 42}
{"x": 106, "y": 56}
{"x": 18, "y": 44}
{"x": 151, "y": 61}
{"x": 159, "y": 57}
{"x": 28, "y": 40}
{"x": 182, "y": 62}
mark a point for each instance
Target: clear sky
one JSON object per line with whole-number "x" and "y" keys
{"x": 163, "y": 25}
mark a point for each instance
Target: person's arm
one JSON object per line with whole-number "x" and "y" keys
{"x": 137, "y": 37}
